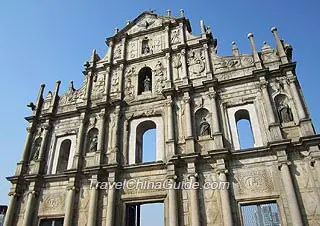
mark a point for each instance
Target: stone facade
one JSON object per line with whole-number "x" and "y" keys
{"x": 157, "y": 74}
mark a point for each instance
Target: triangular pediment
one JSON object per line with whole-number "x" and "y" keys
{"x": 144, "y": 22}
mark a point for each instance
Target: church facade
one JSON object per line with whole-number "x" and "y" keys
{"x": 157, "y": 75}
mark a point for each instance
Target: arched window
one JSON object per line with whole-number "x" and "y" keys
{"x": 64, "y": 154}
{"x": 283, "y": 109}
{"x": 145, "y": 80}
{"x": 244, "y": 129}
{"x": 203, "y": 127}
{"x": 92, "y": 142}
{"x": 146, "y": 142}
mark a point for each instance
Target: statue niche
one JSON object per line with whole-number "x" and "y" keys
{"x": 146, "y": 47}
{"x": 203, "y": 126}
{"x": 283, "y": 109}
{"x": 36, "y": 149}
{"x": 145, "y": 80}
{"x": 93, "y": 140}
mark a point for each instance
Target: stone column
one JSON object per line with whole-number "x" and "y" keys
{"x": 297, "y": 99}
{"x": 266, "y": 97}
{"x": 225, "y": 200}
{"x": 101, "y": 136}
{"x": 224, "y": 193}
{"x": 8, "y": 220}
{"x": 27, "y": 145}
{"x": 170, "y": 119}
{"x": 44, "y": 141}
{"x": 29, "y": 209}
{"x": 92, "y": 212}
{"x": 186, "y": 99}
{"x": 291, "y": 196}
{"x": 182, "y": 35}
{"x": 255, "y": 54}
{"x": 115, "y": 127}
{"x": 173, "y": 208}
{"x": 194, "y": 204}
{"x": 289, "y": 189}
{"x": 207, "y": 60}
{"x": 69, "y": 205}
{"x": 280, "y": 48}
{"x": 215, "y": 117}
{"x": 184, "y": 64}
{"x": 111, "y": 201}
{"x": 168, "y": 60}
{"x": 167, "y": 37}
{"x": 79, "y": 149}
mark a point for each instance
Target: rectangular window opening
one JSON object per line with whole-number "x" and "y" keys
{"x": 260, "y": 214}
{"x": 145, "y": 214}
{"x": 51, "y": 222}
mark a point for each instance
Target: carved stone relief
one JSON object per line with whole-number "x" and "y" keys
{"x": 268, "y": 54}
{"x": 196, "y": 63}
{"x": 53, "y": 202}
{"x": 175, "y": 36}
{"x": 222, "y": 64}
{"x": 133, "y": 49}
{"x": 98, "y": 85}
{"x": 129, "y": 87}
{"x": 157, "y": 43}
{"x": 117, "y": 51}
{"x": 255, "y": 181}
{"x": 115, "y": 82}
{"x": 159, "y": 77}
{"x": 177, "y": 65}
{"x": 144, "y": 24}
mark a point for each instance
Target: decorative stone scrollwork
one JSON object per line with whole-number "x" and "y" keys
{"x": 196, "y": 63}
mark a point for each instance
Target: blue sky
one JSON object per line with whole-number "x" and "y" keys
{"x": 45, "y": 41}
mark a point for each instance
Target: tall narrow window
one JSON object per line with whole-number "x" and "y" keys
{"x": 244, "y": 129}
{"x": 145, "y": 80}
{"x": 149, "y": 146}
{"x": 260, "y": 214}
{"x": 64, "y": 154}
{"x": 146, "y": 142}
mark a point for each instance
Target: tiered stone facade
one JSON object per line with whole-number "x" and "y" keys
{"x": 156, "y": 74}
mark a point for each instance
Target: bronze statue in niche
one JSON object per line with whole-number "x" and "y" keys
{"x": 93, "y": 143}
{"x": 204, "y": 127}
{"x": 284, "y": 112}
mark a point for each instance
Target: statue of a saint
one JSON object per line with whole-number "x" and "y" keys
{"x": 284, "y": 112}
{"x": 146, "y": 84}
{"x": 93, "y": 143}
{"x": 204, "y": 127}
